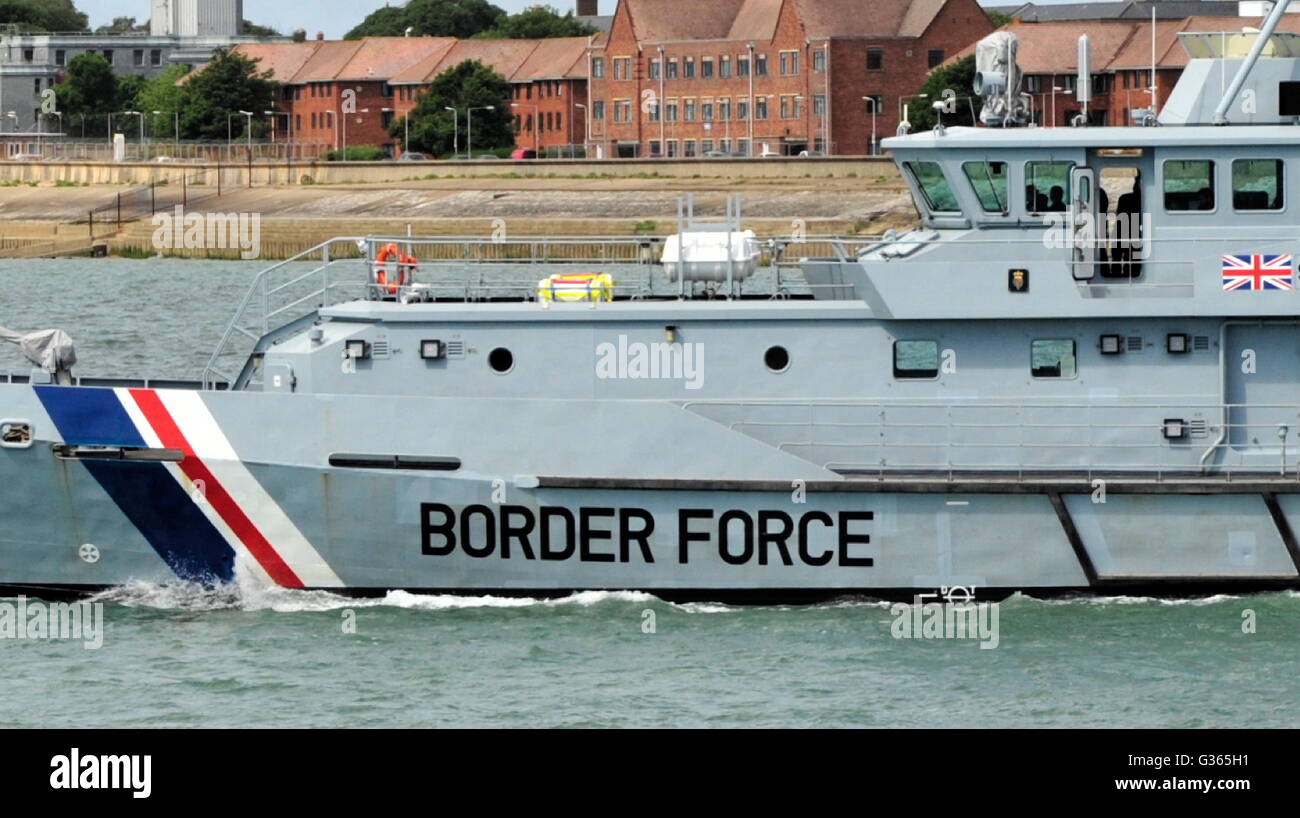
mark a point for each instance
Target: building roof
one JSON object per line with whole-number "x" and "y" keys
{"x": 1127, "y": 10}
{"x": 664, "y": 21}
{"x": 284, "y": 60}
{"x": 1114, "y": 45}
{"x": 383, "y": 57}
{"x": 554, "y": 59}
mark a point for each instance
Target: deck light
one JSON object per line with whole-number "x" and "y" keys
{"x": 1175, "y": 429}
{"x": 1111, "y": 345}
{"x": 357, "y": 350}
{"x": 1176, "y": 343}
{"x": 432, "y": 350}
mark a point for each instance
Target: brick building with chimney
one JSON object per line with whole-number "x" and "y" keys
{"x": 681, "y": 79}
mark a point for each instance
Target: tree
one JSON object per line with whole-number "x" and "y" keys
{"x": 958, "y": 77}
{"x": 88, "y": 89}
{"x": 535, "y": 23}
{"x": 162, "y": 93}
{"x": 470, "y": 84}
{"x": 123, "y": 25}
{"x": 998, "y": 18}
{"x": 300, "y": 35}
{"x": 43, "y": 15}
{"x": 228, "y": 84}
{"x": 430, "y": 18}
{"x": 254, "y": 30}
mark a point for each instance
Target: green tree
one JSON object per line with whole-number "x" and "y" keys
{"x": 998, "y": 18}
{"x": 88, "y": 90}
{"x": 254, "y": 30}
{"x": 537, "y": 22}
{"x": 123, "y": 25}
{"x": 430, "y": 18}
{"x": 470, "y": 84}
{"x": 162, "y": 93}
{"x": 43, "y": 15}
{"x": 958, "y": 77}
{"x": 228, "y": 84}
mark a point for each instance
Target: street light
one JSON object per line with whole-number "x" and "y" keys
{"x": 874, "y": 105}
{"x": 288, "y": 119}
{"x": 334, "y": 122}
{"x": 406, "y": 127}
{"x": 584, "y": 124}
{"x": 537, "y": 143}
{"x": 345, "y": 132}
{"x": 1056, "y": 88}
{"x": 455, "y": 132}
{"x": 249, "y": 129}
{"x": 141, "y": 115}
{"x": 176, "y": 131}
{"x": 469, "y": 128}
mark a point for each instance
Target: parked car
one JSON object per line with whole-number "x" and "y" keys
{"x": 413, "y": 156}
{"x": 715, "y": 155}
{"x": 488, "y": 156}
{"x": 523, "y": 153}
{"x": 811, "y": 154}
{"x": 769, "y": 154}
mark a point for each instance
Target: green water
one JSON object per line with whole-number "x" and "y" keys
{"x": 183, "y": 657}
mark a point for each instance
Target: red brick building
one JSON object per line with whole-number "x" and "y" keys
{"x": 675, "y": 78}
{"x": 379, "y": 80}
{"x": 1120, "y": 54}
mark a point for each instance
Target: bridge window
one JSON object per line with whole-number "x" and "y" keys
{"x": 1189, "y": 184}
{"x": 990, "y": 182}
{"x": 938, "y": 194}
{"x": 1053, "y": 358}
{"x": 1257, "y": 184}
{"x": 916, "y": 359}
{"x": 1047, "y": 186}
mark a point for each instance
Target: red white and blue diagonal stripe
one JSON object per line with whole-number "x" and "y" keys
{"x": 1257, "y": 272}
{"x": 200, "y": 515}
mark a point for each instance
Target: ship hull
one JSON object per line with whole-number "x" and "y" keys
{"x": 292, "y": 491}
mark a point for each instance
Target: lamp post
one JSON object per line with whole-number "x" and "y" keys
{"x": 455, "y": 132}
{"x": 573, "y": 105}
{"x": 345, "y": 131}
{"x": 872, "y": 100}
{"x": 176, "y": 129}
{"x": 749, "y": 148}
{"x": 469, "y": 128}
{"x": 406, "y": 123}
{"x": 537, "y": 144}
{"x": 249, "y": 128}
{"x": 1056, "y": 88}
{"x": 334, "y": 122}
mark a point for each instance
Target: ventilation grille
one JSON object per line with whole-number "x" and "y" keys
{"x": 1133, "y": 343}
{"x": 455, "y": 349}
{"x": 1197, "y": 428}
{"x": 379, "y": 349}
{"x": 1201, "y": 343}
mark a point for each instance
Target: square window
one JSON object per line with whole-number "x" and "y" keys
{"x": 1111, "y": 345}
{"x": 1176, "y": 343}
{"x": 1189, "y": 185}
{"x": 916, "y": 359}
{"x": 1053, "y": 358}
{"x": 1257, "y": 184}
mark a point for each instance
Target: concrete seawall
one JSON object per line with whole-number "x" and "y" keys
{"x": 262, "y": 174}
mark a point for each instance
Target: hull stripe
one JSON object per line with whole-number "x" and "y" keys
{"x": 146, "y": 493}
{"x": 196, "y": 470}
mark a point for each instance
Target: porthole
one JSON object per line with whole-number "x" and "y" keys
{"x": 501, "y": 360}
{"x": 777, "y": 359}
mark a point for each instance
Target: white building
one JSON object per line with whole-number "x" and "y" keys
{"x": 196, "y": 18}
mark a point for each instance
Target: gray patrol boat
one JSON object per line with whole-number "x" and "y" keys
{"x": 1079, "y": 373}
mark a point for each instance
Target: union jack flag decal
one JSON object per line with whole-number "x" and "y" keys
{"x": 1257, "y": 272}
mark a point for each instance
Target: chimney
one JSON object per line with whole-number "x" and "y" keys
{"x": 588, "y": 8}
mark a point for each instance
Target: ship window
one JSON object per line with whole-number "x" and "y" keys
{"x": 990, "y": 182}
{"x": 1053, "y": 358}
{"x": 1047, "y": 186}
{"x": 777, "y": 359}
{"x": 1257, "y": 184}
{"x": 916, "y": 359}
{"x": 935, "y": 188}
{"x": 1189, "y": 184}
{"x": 501, "y": 360}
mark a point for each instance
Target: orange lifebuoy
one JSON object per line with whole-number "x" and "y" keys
{"x": 406, "y": 268}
